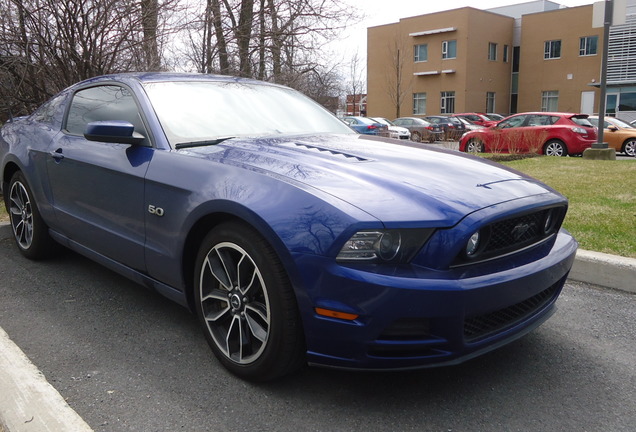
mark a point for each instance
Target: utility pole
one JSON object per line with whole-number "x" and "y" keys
{"x": 607, "y": 22}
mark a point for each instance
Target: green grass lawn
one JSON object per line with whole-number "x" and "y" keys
{"x": 602, "y": 195}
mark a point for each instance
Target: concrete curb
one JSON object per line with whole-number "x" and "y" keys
{"x": 28, "y": 403}
{"x": 606, "y": 270}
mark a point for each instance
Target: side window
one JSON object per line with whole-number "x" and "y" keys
{"x": 108, "y": 102}
{"x": 51, "y": 110}
{"x": 516, "y": 121}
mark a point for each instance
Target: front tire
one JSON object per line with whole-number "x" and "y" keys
{"x": 629, "y": 147}
{"x": 416, "y": 136}
{"x": 246, "y": 305}
{"x": 474, "y": 146}
{"x": 555, "y": 148}
{"x": 30, "y": 233}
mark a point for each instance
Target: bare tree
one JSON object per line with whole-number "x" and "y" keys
{"x": 265, "y": 39}
{"x": 396, "y": 86}
{"x": 356, "y": 87}
{"x": 46, "y": 45}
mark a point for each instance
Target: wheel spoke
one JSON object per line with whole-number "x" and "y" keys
{"x": 219, "y": 266}
{"x": 257, "y": 321}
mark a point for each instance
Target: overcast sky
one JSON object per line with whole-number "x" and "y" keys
{"x": 380, "y": 12}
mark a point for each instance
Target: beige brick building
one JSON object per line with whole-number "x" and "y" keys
{"x": 529, "y": 57}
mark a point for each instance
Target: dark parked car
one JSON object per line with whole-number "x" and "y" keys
{"x": 421, "y": 130}
{"x": 293, "y": 241}
{"x": 552, "y": 134}
{"x": 480, "y": 119}
{"x": 468, "y": 125}
{"x": 453, "y": 127}
{"x": 367, "y": 126}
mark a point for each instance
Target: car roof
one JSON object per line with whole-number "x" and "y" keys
{"x": 151, "y": 77}
{"x": 556, "y": 113}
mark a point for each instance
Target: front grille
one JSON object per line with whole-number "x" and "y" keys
{"x": 482, "y": 326}
{"x": 517, "y": 231}
{"x": 513, "y": 234}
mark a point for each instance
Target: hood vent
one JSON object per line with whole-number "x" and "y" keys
{"x": 336, "y": 153}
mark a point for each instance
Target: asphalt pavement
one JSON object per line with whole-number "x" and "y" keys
{"x": 28, "y": 403}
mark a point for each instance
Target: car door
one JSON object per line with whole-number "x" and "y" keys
{"x": 509, "y": 134}
{"x": 98, "y": 187}
{"x": 538, "y": 132}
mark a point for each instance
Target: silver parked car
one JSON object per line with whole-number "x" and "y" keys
{"x": 421, "y": 130}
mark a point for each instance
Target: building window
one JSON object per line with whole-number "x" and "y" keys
{"x": 490, "y": 102}
{"x": 419, "y": 103}
{"x": 449, "y": 49}
{"x": 552, "y": 49}
{"x": 588, "y": 45}
{"x": 505, "y": 54}
{"x": 550, "y": 101}
{"x": 421, "y": 53}
{"x": 492, "y": 51}
{"x": 447, "y": 102}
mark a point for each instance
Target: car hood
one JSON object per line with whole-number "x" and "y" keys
{"x": 389, "y": 180}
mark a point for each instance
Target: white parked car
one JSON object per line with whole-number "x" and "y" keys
{"x": 397, "y": 131}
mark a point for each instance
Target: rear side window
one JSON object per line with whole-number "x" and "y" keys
{"x": 102, "y": 103}
{"x": 51, "y": 112}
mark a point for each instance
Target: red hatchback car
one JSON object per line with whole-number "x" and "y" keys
{"x": 548, "y": 133}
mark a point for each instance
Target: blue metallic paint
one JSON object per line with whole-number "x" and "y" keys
{"x": 306, "y": 195}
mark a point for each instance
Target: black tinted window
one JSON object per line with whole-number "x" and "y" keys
{"x": 100, "y": 104}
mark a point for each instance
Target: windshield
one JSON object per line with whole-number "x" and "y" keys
{"x": 204, "y": 110}
{"x": 621, "y": 123}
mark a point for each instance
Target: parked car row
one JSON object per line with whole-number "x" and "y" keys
{"x": 426, "y": 129}
{"x": 549, "y": 133}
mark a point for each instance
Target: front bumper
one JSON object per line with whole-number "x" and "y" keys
{"x": 417, "y": 317}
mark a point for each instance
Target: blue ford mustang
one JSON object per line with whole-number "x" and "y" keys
{"x": 294, "y": 239}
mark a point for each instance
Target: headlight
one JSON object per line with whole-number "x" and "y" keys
{"x": 384, "y": 245}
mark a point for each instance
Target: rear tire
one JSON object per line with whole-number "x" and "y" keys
{"x": 30, "y": 233}
{"x": 555, "y": 148}
{"x": 246, "y": 305}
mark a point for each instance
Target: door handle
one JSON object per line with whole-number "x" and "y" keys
{"x": 57, "y": 155}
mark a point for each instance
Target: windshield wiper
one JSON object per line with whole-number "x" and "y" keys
{"x": 202, "y": 143}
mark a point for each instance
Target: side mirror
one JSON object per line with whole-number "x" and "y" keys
{"x": 113, "y": 131}
{"x": 613, "y": 128}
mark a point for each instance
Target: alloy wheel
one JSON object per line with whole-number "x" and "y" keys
{"x": 235, "y": 303}
{"x": 21, "y": 215}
